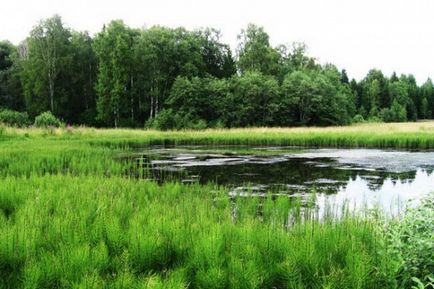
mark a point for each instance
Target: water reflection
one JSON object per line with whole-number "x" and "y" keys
{"x": 391, "y": 194}
{"x": 361, "y": 177}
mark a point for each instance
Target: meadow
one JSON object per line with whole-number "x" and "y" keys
{"x": 73, "y": 216}
{"x": 416, "y": 135}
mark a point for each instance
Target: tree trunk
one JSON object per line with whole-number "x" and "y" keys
{"x": 132, "y": 100}
{"x": 152, "y": 107}
{"x": 51, "y": 91}
{"x": 156, "y": 106}
{"x": 116, "y": 112}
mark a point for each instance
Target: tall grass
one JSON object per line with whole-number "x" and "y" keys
{"x": 89, "y": 232}
{"x": 403, "y": 135}
{"x": 50, "y": 156}
{"x": 72, "y": 217}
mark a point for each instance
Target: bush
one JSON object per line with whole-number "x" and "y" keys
{"x": 163, "y": 121}
{"x": 47, "y": 119}
{"x": 199, "y": 124}
{"x": 358, "y": 119}
{"x": 167, "y": 119}
{"x": 374, "y": 119}
{"x": 411, "y": 243}
{"x": 14, "y": 118}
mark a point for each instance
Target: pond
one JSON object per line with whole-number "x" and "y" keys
{"x": 356, "y": 177}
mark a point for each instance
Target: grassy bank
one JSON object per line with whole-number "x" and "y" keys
{"x": 71, "y": 216}
{"x": 418, "y": 135}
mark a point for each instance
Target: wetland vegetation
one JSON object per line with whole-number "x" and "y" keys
{"x": 74, "y": 214}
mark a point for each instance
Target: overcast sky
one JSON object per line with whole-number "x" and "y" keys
{"x": 392, "y": 35}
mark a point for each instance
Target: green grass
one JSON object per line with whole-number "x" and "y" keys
{"x": 89, "y": 232}
{"x": 418, "y": 135}
{"x": 71, "y": 216}
{"x": 51, "y": 157}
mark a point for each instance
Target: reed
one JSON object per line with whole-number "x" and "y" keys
{"x": 418, "y": 135}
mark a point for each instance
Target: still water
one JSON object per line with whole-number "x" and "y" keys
{"x": 357, "y": 177}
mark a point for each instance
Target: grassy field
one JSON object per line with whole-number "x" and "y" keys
{"x": 71, "y": 216}
{"x": 418, "y": 135}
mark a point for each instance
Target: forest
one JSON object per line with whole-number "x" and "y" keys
{"x": 173, "y": 78}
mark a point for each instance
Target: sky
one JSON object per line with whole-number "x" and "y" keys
{"x": 358, "y": 35}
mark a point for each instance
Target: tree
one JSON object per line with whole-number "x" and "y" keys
{"x": 424, "y": 109}
{"x": 10, "y": 85}
{"x": 396, "y": 113}
{"x": 300, "y": 98}
{"x": 114, "y": 48}
{"x": 375, "y": 94}
{"x": 394, "y": 77}
{"x": 194, "y": 103}
{"x": 253, "y": 100}
{"x": 162, "y": 54}
{"x": 293, "y": 58}
{"x": 48, "y": 55}
{"x": 317, "y": 97}
{"x": 427, "y": 92}
{"x": 187, "y": 98}
{"x": 357, "y": 91}
{"x": 338, "y": 107}
{"x": 344, "y": 77}
{"x": 414, "y": 102}
{"x": 83, "y": 70}
{"x": 58, "y": 70}
{"x": 255, "y": 52}
{"x": 6, "y": 51}
{"x": 217, "y": 57}
{"x": 127, "y": 77}
{"x": 399, "y": 91}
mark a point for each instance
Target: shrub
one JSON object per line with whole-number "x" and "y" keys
{"x": 167, "y": 119}
{"x": 14, "y": 118}
{"x": 199, "y": 124}
{"x": 374, "y": 119}
{"x": 411, "y": 242}
{"x": 163, "y": 121}
{"x": 358, "y": 119}
{"x": 47, "y": 119}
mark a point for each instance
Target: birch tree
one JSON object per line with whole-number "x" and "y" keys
{"x": 48, "y": 40}
{"x": 47, "y": 55}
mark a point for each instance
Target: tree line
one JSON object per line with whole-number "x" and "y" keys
{"x": 175, "y": 78}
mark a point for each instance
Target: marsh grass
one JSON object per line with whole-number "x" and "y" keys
{"x": 90, "y": 232}
{"x": 49, "y": 156}
{"x": 71, "y": 216}
{"x": 418, "y": 135}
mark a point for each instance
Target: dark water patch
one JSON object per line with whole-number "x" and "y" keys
{"x": 358, "y": 176}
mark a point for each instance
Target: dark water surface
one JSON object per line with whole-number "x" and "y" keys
{"x": 359, "y": 177}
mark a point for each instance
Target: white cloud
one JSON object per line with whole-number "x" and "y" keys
{"x": 393, "y": 35}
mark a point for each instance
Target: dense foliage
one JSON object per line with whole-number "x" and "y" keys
{"x": 174, "y": 78}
